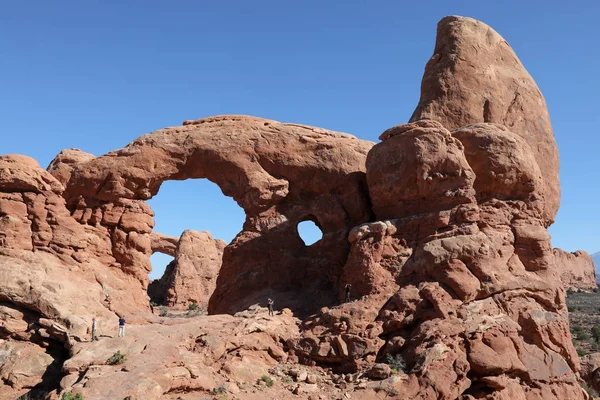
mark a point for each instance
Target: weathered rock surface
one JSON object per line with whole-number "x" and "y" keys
{"x": 577, "y": 269}
{"x": 590, "y": 370}
{"x": 63, "y": 164}
{"x": 441, "y": 229}
{"x": 192, "y": 276}
{"x": 474, "y": 278}
{"x": 192, "y": 356}
{"x": 475, "y": 76}
{"x": 280, "y": 174}
{"x": 163, "y": 244}
{"x": 421, "y": 165}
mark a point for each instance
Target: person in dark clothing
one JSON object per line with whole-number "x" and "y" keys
{"x": 348, "y": 288}
{"x": 94, "y": 337}
{"x": 121, "y": 327}
{"x": 270, "y": 303}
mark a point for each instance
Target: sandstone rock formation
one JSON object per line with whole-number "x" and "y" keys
{"x": 440, "y": 229}
{"x": 590, "y": 370}
{"x": 576, "y": 269}
{"x": 160, "y": 243}
{"x": 474, "y": 304}
{"x": 192, "y": 276}
{"x": 280, "y": 174}
{"x": 475, "y": 76}
{"x": 64, "y": 163}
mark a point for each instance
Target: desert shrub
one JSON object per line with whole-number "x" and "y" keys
{"x": 116, "y": 358}
{"x": 570, "y": 291}
{"x": 596, "y": 333}
{"x": 162, "y": 311}
{"x": 589, "y": 390}
{"x": 193, "y": 306}
{"x": 218, "y": 390}
{"x": 396, "y": 362}
{"x": 71, "y": 396}
{"x": 583, "y": 336}
{"x": 267, "y": 380}
{"x": 581, "y": 352}
{"x": 576, "y": 330}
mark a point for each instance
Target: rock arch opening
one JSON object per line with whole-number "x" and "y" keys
{"x": 309, "y": 231}
{"x": 194, "y": 221}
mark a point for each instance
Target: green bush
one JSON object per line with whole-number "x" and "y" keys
{"x": 577, "y": 330}
{"x": 116, "y": 358}
{"x": 581, "y": 352}
{"x": 570, "y": 291}
{"x": 268, "y": 380}
{"x": 596, "y": 333}
{"x": 218, "y": 390}
{"x": 589, "y": 390}
{"x": 71, "y": 396}
{"x": 396, "y": 362}
{"x": 193, "y": 306}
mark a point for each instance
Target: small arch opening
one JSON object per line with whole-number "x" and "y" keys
{"x": 309, "y": 231}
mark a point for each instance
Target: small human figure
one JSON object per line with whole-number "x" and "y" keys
{"x": 94, "y": 326}
{"x": 270, "y": 303}
{"x": 121, "y": 327}
{"x": 348, "y": 287}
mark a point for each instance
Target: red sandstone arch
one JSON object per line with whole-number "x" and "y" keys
{"x": 278, "y": 173}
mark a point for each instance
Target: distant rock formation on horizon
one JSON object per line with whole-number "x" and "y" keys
{"x": 577, "y": 269}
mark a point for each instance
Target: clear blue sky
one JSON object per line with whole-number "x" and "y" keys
{"x": 97, "y": 74}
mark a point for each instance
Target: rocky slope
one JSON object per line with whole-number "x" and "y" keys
{"x": 440, "y": 228}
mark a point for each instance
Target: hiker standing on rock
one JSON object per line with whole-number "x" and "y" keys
{"x": 94, "y": 325}
{"x": 348, "y": 287}
{"x": 121, "y": 327}
{"x": 270, "y": 303}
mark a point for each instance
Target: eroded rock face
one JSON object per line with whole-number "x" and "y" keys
{"x": 64, "y": 163}
{"x": 470, "y": 272}
{"x": 440, "y": 229}
{"x": 474, "y": 76}
{"x": 577, "y": 269}
{"x": 420, "y": 166}
{"x": 163, "y": 244}
{"x": 590, "y": 370}
{"x": 280, "y": 174}
{"x": 192, "y": 276}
